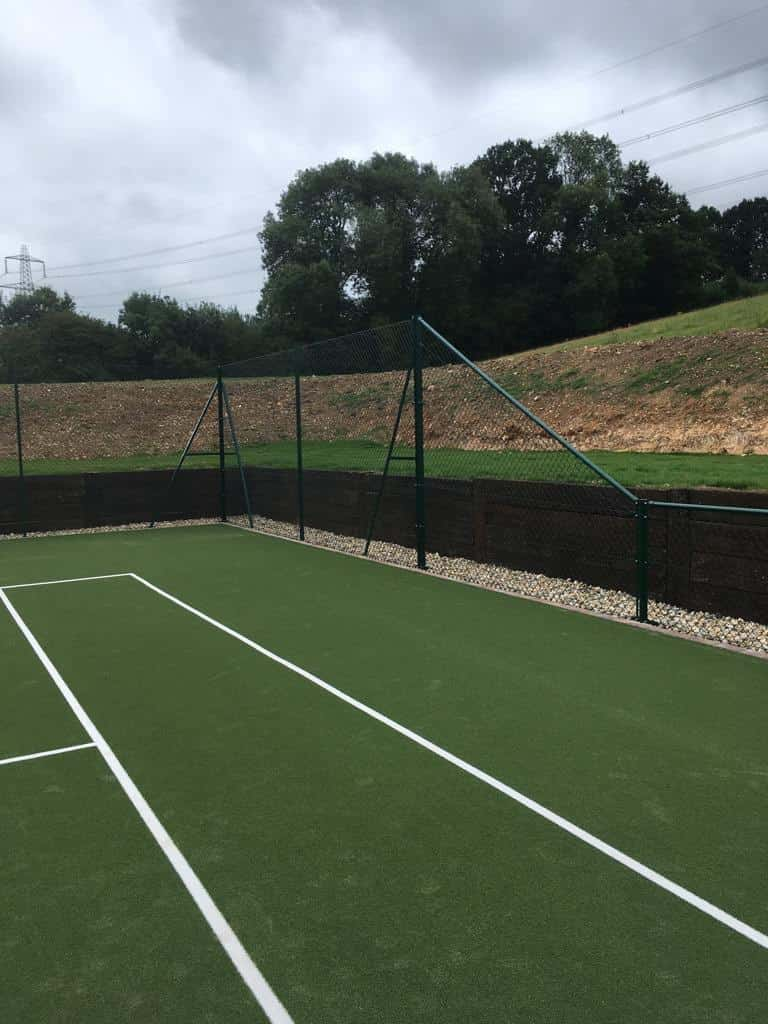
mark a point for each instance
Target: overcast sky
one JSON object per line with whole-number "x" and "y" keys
{"x": 133, "y": 125}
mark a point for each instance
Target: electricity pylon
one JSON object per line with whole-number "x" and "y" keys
{"x": 26, "y": 283}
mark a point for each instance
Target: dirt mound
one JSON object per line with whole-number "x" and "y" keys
{"x": 696, "y": 394}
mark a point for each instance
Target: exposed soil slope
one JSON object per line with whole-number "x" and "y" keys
{"x": 690, "y": 394}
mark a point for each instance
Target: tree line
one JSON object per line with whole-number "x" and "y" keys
{"x": 525, "y": 246}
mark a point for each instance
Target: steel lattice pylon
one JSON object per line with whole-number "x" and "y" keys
{"x": 26, "y": 283}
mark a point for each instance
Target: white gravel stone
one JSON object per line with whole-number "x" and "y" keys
{"x": 723, "y": 629}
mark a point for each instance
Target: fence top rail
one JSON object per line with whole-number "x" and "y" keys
{"x": 531, "y": 415}
{"x": 695, "y": 507}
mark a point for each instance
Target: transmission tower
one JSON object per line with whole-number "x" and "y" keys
{"x": 26, "y": 283}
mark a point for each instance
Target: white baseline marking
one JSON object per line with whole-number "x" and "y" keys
{"x": 45, "y": 753}
{"x": 78, "y": 579}
{"x": 736, "y": 925}
{"x": 249, "y": 972}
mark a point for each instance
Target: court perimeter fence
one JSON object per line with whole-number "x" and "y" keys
{"x": 393, "y": 444}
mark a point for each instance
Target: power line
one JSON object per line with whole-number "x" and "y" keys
{"x": 727, "y": 181}
{"x": 694, "y": 121}
{"x": 157, "y": 266}
{"x": 680, "y": 41}
{"x": 158, "y": 252}
{"x": 681, "y": 90}
{"x": 193, "y": 299}
{"x": 620, "y": 64}
{"x": 174, "y": 284}
{"x": 712, "y": 144}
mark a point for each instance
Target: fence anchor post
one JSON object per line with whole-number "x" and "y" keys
{"x": 418, "y": 431}
{"x": 299, "y": 442}
{"x": 641, "y": 560}
{"x": 22, "y": 496}
{"x": 222, "y": 456}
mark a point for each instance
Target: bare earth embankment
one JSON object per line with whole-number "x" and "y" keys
{"x": 690, "y": 394}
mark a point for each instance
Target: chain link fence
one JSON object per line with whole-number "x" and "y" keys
{"x": 391, "y": 443}
{"x": 505, "y": 501}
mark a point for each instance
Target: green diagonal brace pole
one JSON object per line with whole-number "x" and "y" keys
{"x": 188, "y": 445}
{"x": 387, "y": 461}
{"x": 236, "y": 446}
{"x": 531, "y": 416}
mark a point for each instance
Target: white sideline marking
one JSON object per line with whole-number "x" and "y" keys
{"x": 78, "y": 579}
{"x": 45, "y": 753}
{"x": 736, "y": 925}
{"x": 249, "y": 972}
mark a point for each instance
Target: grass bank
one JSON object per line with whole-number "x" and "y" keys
{"x": 633, "y": 469}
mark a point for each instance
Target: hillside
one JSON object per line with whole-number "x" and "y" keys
{"x": 740, "y": 314}
{"x": 678, "y": 394}
{"x": 702, "y": 394}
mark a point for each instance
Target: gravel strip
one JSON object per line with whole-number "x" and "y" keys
{"x": 109, "y": 529}
{"x": 723, "y": 629}
{"x": 751, "y": 636}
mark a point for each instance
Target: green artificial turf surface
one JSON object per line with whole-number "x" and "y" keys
{"x": 370, "y": 880}
{"x": 633, "y": 469}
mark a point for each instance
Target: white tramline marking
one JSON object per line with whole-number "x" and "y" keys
{"x": 77, "y": 579}
{"x": 45, "y": 753}
{"x": 722, "y": 916}
{"x": 249, "y": 972}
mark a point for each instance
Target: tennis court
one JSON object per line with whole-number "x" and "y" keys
{"x": 277, "y": 783}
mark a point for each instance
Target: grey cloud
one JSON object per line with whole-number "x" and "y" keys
{"x": 460, "y": 43}
{"x": 124, "y": 135}
{"x": 249, "y": 36}
{"x": 23, "y": 87}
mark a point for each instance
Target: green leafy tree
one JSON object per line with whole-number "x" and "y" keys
{"x": 60, "y": 346}
{"x": 744, "y": 232}
{"x": 24, "y": 310}
{"x": 586, "y": 159}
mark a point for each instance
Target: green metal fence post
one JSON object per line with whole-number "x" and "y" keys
{"x": 418, "y": 432}
{"x": 222, "y": 459}
{"x": 22, "y": 496}
{"x": 299, "y": 443}
{"x": 641, "y": 560}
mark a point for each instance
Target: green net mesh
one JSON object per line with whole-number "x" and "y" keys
{"x": 500, "y": 490}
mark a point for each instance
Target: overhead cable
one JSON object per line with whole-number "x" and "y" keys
{"x": 158, "y": 252}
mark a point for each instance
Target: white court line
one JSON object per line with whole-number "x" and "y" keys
{"x": 45, "y": 753}
{"x": 249, "y": 972}
{"x": 77, "y": 579}
{"x": 722, "y": 916}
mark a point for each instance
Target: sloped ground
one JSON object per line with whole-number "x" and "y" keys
{"x": 690, "y": 394}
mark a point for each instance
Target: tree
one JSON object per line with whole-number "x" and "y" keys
{"x": 61, "y": 345}
{"x": 586, "y": 159}
{"x": 301, "y": 304}
{"x": 744, "y": 232}
{"x": 525, "y": 182}
{"x": 24, "y": 309}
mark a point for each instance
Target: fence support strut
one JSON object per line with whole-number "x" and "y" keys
{"x": 418, "y": 431}
{"x": 238, "y": 454}
{"x": 641, "y": 560}
{"x": 22, "y": 496}
{"x": 222, "y": 458}
{"x": 299, "y": 444}
{"x": 387, "y": 462}
{"x": 185, "y": 453}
